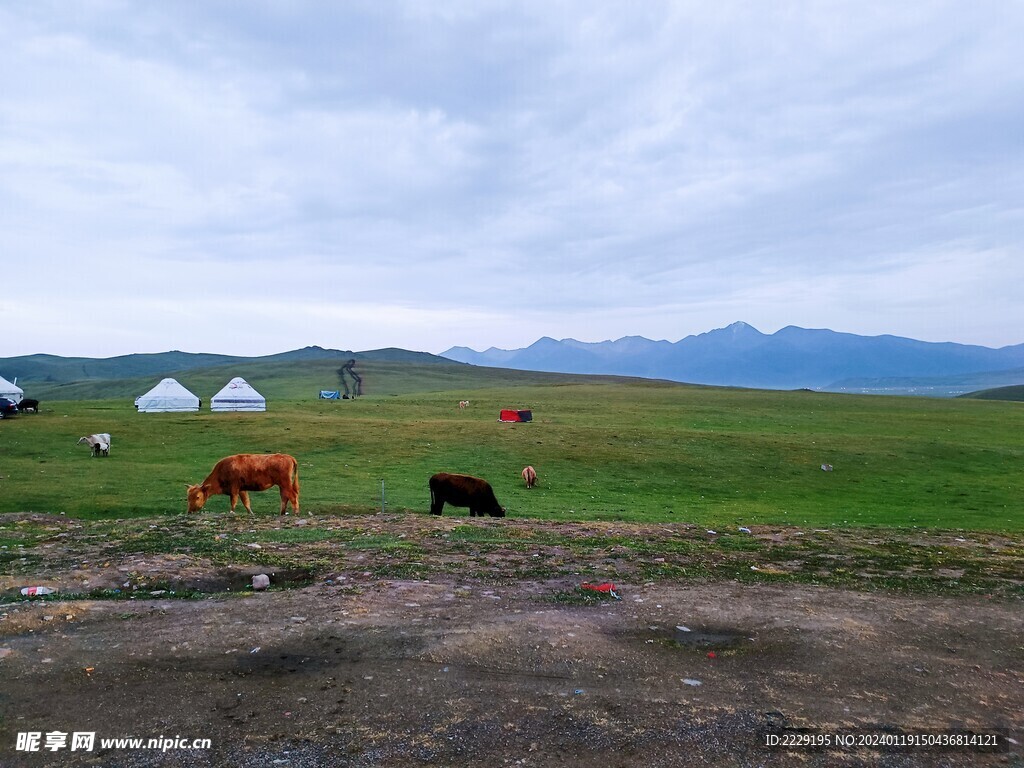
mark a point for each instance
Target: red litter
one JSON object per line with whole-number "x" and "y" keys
{"x": 607, "y": 588}
{"x": 712, "y": 655}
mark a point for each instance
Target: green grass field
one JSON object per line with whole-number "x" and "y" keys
{"x": 604, "y": 449}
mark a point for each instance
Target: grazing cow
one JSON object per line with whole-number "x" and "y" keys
{"x": 463, "y": 491}
{"x": 28, "y": 404}
{"x": 98, "y": 444}
{"x": 235, "y": 476}
{"x": 530, "y": 476}
{"x": 463, "y": 403}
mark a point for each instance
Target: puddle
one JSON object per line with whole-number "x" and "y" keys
{"x": 707, "y": 638}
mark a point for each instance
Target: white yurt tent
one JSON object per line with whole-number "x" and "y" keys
{"x": 11, "y": 391}
{"x": 238, "y": 395}
{"x": 167, "y": 397}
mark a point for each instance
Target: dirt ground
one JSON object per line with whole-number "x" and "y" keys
{"x": 355, "y": 670}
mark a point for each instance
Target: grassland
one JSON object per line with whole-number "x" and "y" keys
{"x": 886, "y": 591}
{"x": 605, "y": 449}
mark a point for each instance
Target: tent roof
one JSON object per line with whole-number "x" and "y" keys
{"x": 7, "y": 389}
{"x": 169, "y": 387}
{"x": 238, "y": 389}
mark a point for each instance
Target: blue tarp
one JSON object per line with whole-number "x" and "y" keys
{"x": 326, "y": 394}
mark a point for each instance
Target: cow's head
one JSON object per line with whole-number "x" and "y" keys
{"x": 196, "y": 498}
{"x": 498, "y": 512}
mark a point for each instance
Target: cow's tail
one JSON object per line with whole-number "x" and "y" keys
{"x": 295, "y": 476}
{"x": 433, "y": 497}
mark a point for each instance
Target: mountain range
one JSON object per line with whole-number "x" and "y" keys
{"x": 792, "y": 358}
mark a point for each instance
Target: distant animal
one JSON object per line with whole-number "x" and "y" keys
{"x": 28, "y": 404}
{"x": 463, "y": 403}
{"x": 98, "y": 444}
{"x": 236, "y": 475}
{"x": 530, "y": 476}
{"x": 463, "y": 491}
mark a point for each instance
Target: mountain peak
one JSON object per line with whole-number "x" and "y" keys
{"x": 545, "y": 342}
{"x": 739, "y": 327}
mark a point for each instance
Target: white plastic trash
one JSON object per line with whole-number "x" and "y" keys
{"x": 260, "y": 581}
{"x": 31, "y": 591}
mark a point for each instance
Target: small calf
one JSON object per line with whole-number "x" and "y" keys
{"x": 530, "y": 476}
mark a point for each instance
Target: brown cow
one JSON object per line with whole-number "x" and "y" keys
{"x": 530, "y": 476}
{"x": 234, "y": 476}
{"x": 463, "y": 491}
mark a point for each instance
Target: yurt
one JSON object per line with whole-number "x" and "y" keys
{"x": 11, "y": 391}
{"x": 238, "y": 395}
{"x": 167, "y": 397}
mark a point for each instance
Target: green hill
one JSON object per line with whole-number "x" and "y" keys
{"x": 48, "y": 377}
{"x": 51, "y": 369}
{"x": 39, "y": 373}
{"x": 1013, "y": 394}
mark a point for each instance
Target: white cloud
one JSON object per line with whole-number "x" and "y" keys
{"x": 489, "y": 173}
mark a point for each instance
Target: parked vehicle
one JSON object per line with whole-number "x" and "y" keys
{"x": 7, "y": 408}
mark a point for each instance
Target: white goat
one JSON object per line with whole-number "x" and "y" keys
{"x": 98, "y": 444}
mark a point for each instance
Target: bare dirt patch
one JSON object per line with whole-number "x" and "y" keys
{"x": 410, "y": 641}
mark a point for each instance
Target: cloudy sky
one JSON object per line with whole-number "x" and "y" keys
{"x": 253, "y": 177}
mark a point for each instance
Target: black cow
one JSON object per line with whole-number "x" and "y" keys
{"x": 463, "y": 491}
{"x": 28, "y": 404}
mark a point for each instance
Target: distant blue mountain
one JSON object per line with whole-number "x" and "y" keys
{"x": 740, "y": 355}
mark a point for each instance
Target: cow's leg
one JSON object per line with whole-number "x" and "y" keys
{"x": 436, "y": 506}
{"x": 289, "y": 495}
{"x": 234, "y": 500}
{"x": 244, "y": 496}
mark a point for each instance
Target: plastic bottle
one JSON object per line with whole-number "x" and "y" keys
{"x": 30, "y": 591}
